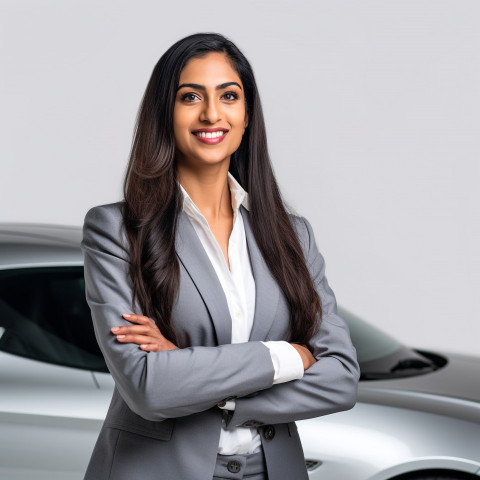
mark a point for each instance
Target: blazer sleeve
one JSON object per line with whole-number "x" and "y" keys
{"x": 328, "y": 386}
{"x": 158, "y": 385}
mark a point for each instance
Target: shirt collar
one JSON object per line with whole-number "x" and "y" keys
{"x": 238, "y": 194}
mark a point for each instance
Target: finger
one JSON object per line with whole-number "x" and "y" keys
{"x": 136, "y": 329}
{"x": 150, "y": 347}
{"x": 138, "y": 339}
{"x": 134, "y": 318}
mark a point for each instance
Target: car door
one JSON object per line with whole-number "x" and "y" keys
{"x": 51, "y": 405}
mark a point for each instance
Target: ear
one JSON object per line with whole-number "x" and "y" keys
{"x": 245, "y": 124}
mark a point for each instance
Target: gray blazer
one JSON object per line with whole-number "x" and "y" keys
{"x": 163, "y": 422}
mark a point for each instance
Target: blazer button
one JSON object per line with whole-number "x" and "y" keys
{"x": 233, "y": 466}
{"x": 269, "y": 432}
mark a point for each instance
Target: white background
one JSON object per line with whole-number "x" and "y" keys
{"x": 372, "y": 110}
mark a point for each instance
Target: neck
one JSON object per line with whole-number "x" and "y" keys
{"x": 208, "y": 188}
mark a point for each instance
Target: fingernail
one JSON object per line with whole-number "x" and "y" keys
{"x": 144, "y": 346}
{"x": 115, "y": 329}
{"x": 120, "y": 336}
{"x": 126, "y": 315}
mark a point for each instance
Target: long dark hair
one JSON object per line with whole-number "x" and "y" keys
{"x": 153, "y": 199}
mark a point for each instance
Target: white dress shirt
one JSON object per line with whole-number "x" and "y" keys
{"x": 239, "y": 287}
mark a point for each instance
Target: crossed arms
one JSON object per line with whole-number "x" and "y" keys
{"x": 178, "y": 382}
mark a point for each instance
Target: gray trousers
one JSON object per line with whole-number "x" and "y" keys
{"x": 240, "y": 467}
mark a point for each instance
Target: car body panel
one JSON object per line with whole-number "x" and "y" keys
{"x": 50, "y": 417}
{"x": 453, "y": 390}
{"x": 23, "y": 245}
{"x": 460, "y": 378}
{"x": 377, "y": 442}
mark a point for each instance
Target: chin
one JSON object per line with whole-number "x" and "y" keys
{"x": 211, "y": 159}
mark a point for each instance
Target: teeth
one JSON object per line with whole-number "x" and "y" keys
{"x": 209, "y": 134}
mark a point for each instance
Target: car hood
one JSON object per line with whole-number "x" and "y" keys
{"x": 453, "y": 390}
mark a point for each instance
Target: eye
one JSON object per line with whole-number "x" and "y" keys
{"x": 230, "y": 96}
{"x": 189, "y": 97}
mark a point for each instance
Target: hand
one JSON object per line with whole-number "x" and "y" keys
{"x": 307, "y": 358}
{"x": 145, "y": 333}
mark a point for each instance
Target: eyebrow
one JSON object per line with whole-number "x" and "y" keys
{"x": 202, "y": 87}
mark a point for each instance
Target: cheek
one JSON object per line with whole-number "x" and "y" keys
{"x": 236, "y": 118}
{"x": 179, "y": 140}
{"x": 238, "y": 121}
{"x": 240, "y": 117}
{"x": 181, "y": 124}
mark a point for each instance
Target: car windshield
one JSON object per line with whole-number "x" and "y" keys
{"x": 382, "y": 357}
{"x": 370, "y": 342}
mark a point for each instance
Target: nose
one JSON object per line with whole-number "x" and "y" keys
{"x": 211, "y": 111}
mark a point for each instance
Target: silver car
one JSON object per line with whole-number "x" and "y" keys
{"x": 417, "y": 418}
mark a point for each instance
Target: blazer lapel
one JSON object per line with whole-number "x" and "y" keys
{"x": 195, "y": 260}
{"x": 267, "y": 291}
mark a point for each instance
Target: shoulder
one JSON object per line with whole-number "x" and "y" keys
{"x": 306, "y": 237}
{"x": 103, "y": 225}
{"x": 304, "y": 231}
{"x": 111, "y": 212}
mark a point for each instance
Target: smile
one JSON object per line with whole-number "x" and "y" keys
{"x": 211, "y": 138}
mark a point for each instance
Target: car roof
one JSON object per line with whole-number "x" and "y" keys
{"x": 29, "y": 244}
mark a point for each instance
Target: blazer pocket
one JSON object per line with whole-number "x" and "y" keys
{"x": 133, "y": 423}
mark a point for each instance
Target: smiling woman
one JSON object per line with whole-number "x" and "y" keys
{"x": 209, "y": 301}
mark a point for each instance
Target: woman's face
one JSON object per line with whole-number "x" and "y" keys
{"x": 209, "y": 116}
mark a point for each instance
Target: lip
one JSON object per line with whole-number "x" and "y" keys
{"x": 210, "y": 141}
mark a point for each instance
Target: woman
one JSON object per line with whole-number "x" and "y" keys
{"x": 245, "y": 338}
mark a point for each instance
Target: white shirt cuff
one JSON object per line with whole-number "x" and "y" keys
{"x": 287, "y": 363}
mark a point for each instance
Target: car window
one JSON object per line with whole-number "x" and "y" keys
{"x": 370, "y": 343}
{"x": 44, "y": 316}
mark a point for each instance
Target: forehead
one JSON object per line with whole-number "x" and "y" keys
{"x": 214, "y": 68}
